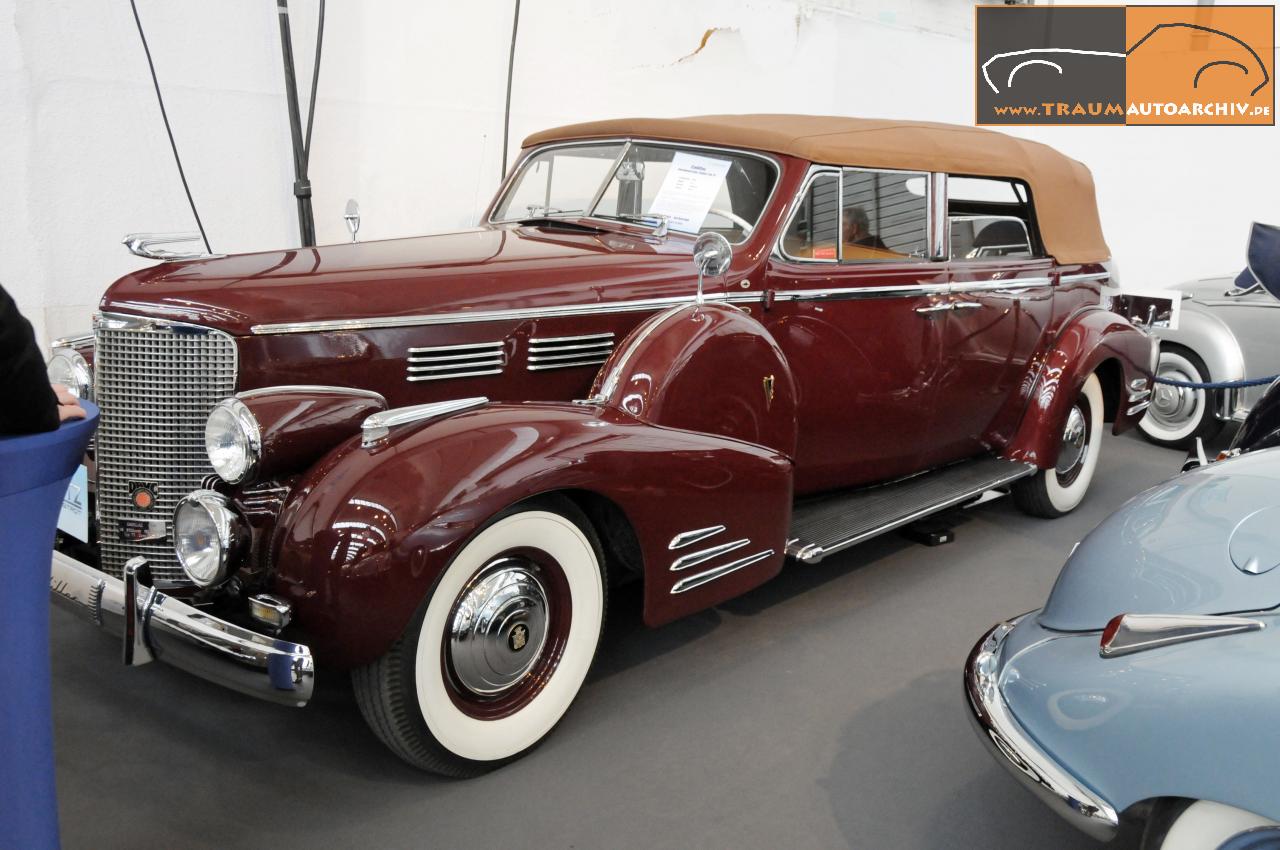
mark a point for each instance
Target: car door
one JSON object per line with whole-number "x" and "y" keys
{"x": 1001, "y": 306}
{"x": 860, "y": 313}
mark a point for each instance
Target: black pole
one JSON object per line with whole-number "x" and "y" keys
{"x": 301, "y": 185}
{"x": 511, "y": 67}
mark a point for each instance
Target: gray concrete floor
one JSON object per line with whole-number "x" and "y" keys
{"x": 822, "y": 710}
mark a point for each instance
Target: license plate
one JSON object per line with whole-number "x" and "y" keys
{"x": 74, "y": 518}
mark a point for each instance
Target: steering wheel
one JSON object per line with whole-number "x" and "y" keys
{"x": 733, "y": 217}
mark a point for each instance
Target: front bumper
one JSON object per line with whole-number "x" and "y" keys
{"x": 1021, "y": 756}
{"x": 153, "y": 625}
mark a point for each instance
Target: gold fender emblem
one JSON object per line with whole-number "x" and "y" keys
{"x": 768, "y": 390}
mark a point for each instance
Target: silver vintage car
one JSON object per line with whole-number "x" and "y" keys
{"x": 1229, "y": 330}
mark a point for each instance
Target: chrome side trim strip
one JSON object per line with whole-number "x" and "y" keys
{"x": 379, "y": 425}
{"x": 1013, "y": 284}
{"x": 1077, "y": 278}
{"x": 858, "y": 292}
{"x": 466, "y": 317}
{"x": 554, "y": 352}
{"x": 688, "y": 538}
{"x": 1138, "y": 408}
{"x": 684, "y": 562}
{"x": 699, "y": 579}
{"x": 1018, "y": 753}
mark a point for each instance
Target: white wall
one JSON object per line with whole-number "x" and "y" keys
{"x": 409, "y": 119}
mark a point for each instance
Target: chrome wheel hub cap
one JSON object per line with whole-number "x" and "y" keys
{"x": 1173, "y": 405}
{"x": 498, "y": 627}
{"x": 1074, "y": 436}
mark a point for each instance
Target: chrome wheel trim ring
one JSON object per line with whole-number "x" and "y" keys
{"x": 498, "y": 627}
{"x": 1075, "y": 438}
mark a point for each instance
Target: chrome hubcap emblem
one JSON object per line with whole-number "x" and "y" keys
{"x": 499, "y": 625}
{"x": 1073, "y": 440}
{"x": 1173, "y": 406}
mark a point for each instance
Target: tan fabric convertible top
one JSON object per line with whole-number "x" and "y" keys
{"x": 1066, "y": 207}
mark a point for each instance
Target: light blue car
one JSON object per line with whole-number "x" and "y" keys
{"x": 1145, "y": 695}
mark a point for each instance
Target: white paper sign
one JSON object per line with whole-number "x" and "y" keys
{"x": 74, "y": 518}
{"x": 689, "y": 190}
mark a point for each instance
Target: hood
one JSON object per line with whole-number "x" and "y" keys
{"x": 485, "y": 268}
{"x": 1204, "y": 542}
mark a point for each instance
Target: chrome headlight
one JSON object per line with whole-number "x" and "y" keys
{"x": 207, "y": 535}
{"x": 67, "y": 367}
{"x": 233, "y": 440}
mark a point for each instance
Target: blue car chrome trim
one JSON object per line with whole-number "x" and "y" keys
{"x": 1012, "y": 747}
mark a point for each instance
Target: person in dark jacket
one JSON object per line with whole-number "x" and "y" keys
{"x": 31, "y": 404}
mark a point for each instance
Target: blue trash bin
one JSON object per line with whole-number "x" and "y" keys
{"x": 34, "y": 473}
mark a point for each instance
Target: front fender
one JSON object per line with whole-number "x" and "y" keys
{"x": 1194, "y": 720}
{"x": 368, "y": 531}
{"x": 1094, "y": 337}
{"x": 1205, "y": 333}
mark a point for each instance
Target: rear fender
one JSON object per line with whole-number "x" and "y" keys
{"x": 1093, "y": 338}
{"x": 368, "y": 531}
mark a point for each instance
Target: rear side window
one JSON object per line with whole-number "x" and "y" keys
{"x": 990, "y": 218}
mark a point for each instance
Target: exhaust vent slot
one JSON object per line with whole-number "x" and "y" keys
{"x": 566, "y": 352}
{"x": 456, "y": 361}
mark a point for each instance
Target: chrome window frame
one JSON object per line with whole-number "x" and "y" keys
{"x": 931, "y": 224}
{"x": 627, "y": 143}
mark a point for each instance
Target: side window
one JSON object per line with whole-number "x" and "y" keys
{"x": 885, "y": 215}
{"x": 814, "y": 232}
{"x": 990, "y": 218}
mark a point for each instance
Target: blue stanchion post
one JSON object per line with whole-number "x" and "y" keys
{"x": 34, "y": 473}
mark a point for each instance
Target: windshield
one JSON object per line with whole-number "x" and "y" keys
{"x": 693, "y": 190}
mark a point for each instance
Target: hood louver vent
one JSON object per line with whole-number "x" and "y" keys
{"x": 564, "y": 352}
{"x": 456, "y": 361}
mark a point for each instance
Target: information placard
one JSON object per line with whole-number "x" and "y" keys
{"x": 689, "y": 190}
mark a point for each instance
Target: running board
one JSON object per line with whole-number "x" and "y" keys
{"x": 827, "y": 524}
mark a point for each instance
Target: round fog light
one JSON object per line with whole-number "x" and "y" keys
{"x": 207, "y": 535}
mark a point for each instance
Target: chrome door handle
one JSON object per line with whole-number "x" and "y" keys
{"x": 936, "y": 308}
{"x": 966, "y": 305}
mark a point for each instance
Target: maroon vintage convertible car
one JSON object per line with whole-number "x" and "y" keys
{"x": 681, "y": 350}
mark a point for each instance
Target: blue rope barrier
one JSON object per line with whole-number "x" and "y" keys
{"x": 1217, "y": 385}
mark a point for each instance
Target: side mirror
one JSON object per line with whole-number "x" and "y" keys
{"x": 352, "y": 217}
{"x": 711, "y": 256}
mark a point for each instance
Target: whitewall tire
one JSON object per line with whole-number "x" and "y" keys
{"x": 1178, "y": 415}
{"x": 1054, "y": 492}
{"x": 500, "y": 648}
{"x": 1205, "y": 824}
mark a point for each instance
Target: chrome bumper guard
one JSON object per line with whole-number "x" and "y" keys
{"x": 1020, "y": 755}
{"x": 153, "y": 625}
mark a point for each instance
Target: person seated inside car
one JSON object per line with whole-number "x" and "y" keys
{"x": 857, "y": 229}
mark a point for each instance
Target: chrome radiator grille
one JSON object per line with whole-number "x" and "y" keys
{"x": 156, "y": 382}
